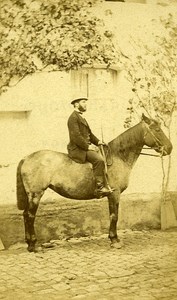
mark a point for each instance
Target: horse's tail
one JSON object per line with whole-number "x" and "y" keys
{"x": 22, "y": 198}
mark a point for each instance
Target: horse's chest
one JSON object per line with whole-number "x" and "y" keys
{"x": 119, "y": 175}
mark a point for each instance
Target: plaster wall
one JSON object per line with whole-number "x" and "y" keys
{"x": 33, "y": 114}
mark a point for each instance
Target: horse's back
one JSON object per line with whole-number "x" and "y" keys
{"x": 51, "y": 158}
{"x": 43, "y": 155}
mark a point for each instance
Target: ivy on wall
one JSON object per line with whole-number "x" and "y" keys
{"x": 63, "y": 33}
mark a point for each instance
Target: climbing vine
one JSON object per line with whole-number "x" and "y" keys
{"x": 60, "y": 33}
{"x": 153, "y": 75}
{"x": 153, "y": 78}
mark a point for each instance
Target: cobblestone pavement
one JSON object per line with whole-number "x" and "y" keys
{"x": 145, "y": 268}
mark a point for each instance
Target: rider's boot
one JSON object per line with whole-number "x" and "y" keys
{"x": 101, "y": 190}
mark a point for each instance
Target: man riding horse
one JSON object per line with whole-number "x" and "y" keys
{"x": 83, "y": 145}
{"x": 51, "y": 169}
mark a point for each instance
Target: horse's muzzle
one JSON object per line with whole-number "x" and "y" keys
{"x": 166, "y": 150}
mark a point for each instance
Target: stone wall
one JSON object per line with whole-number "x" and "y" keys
{"x": 59, "y": 218}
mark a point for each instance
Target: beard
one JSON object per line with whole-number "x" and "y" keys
{"x": 81, "y": 108}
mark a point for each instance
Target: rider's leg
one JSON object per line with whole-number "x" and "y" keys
{"x": 96, "y": 159}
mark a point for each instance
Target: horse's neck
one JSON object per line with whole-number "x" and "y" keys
{"x": 128, "y": 145}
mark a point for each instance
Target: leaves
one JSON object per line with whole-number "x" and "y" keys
{"x": 57, "y": 32}
{"x": 153, "y": 75}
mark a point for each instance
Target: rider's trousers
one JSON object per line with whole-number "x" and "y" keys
{"x": 96, "y": 159}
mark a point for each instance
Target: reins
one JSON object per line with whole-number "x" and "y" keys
{"x": 148, "y": 154}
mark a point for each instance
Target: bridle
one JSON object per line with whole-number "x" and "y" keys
{"x": 157, "y": 142}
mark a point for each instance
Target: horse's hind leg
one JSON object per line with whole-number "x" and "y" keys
{"x": 29, "y": 215}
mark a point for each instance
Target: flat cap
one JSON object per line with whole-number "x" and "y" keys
{"x": 78, "y": 99}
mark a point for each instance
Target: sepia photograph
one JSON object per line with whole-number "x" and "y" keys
{"x": 88, "y": 122}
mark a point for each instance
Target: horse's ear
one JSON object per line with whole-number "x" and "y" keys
{"x": 145, "y": 119}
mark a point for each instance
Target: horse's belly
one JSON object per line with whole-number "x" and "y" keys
{"x": 75, "y": 183}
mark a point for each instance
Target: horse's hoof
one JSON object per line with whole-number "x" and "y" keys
{"x": 116, "y": 245}
{"x": 31, "y": 248}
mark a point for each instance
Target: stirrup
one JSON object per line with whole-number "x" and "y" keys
{"x": 111, "y": 190}
{"x": 99, "y": 194}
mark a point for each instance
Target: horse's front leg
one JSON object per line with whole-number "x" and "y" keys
{"x": 113, "y": 199}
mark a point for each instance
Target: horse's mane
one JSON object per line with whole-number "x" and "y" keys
{"x": 131, "y": 138}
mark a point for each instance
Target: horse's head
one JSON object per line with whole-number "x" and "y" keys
{"x": 154, "y": 137}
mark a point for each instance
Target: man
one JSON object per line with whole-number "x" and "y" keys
{"x": 83, "y": 145}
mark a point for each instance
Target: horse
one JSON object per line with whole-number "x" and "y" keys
{"x": 55, "y": 170}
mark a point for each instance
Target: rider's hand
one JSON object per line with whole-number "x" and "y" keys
{"x": 93, "y": 148}
{"x": 102, "y": 143}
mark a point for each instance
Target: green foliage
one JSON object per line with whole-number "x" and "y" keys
{"x": 62, "y": 33}
{"x": 153, "y": 75}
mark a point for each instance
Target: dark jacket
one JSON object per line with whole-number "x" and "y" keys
{"x": 80, "y": 137}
